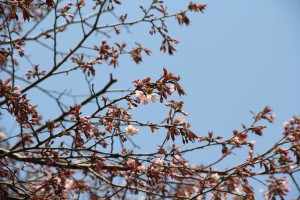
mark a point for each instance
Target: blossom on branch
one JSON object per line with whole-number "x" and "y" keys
{"x": 130, "y": 130}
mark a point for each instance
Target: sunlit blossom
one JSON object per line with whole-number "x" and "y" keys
{"x": 272, "y": 118}
{"x": 172, "y": 88}
{"x": 181, "y": 119}
{"x": 153, "y": 97}
{"x": 139, "y": 94}
{"x": 141, "y": 168}
{"x": 286, "y": 124}
{"x": 68, "y": 184}
{"x": 144, "y": 101}
{"x": 239, "y": 190}
{"x": 130, "y": 130}
{"x": 215, "y": 176}
{"x": 159, "y": 161}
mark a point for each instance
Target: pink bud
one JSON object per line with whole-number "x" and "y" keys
{"x": 16, "y": 87}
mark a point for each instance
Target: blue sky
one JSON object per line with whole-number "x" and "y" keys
{"x": 236, "y": 57}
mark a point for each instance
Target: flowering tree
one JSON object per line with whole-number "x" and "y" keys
{"x": 87, "y": 149}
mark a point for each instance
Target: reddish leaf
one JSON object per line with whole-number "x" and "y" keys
{"x": 50, "y": 3}
{"x": 26, "y": 14}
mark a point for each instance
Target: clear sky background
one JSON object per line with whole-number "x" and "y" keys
{"x": 236, "y": 57}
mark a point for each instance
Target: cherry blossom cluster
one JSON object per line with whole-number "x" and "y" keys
{"x": 18, "y": 105}
{"x": 143, "y": 99}
{"x": 64, "y": 12}
{"x": 35, "y": 72}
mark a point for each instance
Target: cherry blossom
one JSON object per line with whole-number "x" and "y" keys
{"x": 143, "y": 100}
{"x": 153, "y": 97}
{"x": 130, "y": 130}
{"x": 171, "y": 88}
{"x": 286, "y": 124}
{"x": 181, "y": 119}
{"x": 215, "y": 176}
{"x": 142, "y": 168}
{"x": 139, "y": 94}
{"x": 159, "y": 161}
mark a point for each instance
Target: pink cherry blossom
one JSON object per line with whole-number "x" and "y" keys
{"x": 131, "y": 106}
{"x": 130, "y": 130}
{"x": 144, "y": 101}
{"x": 251, "y": 144}
{"x": 130, "y": 162}
{"x": 159, "y": 161}
{"x": 286, "y": 124}
{"x": 172, "y": 88}
{"x": 139, "y": 94}
{"x": 178, "y": 158}
{"x": 68, "y": 184}
{"x": 153, "y": 97}
{"x": 239, "y": 190}
{"x": 215, "y": 176}
{"x": 142, "y": 168}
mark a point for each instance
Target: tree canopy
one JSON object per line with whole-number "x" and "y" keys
{"x": 83, "y": 146}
